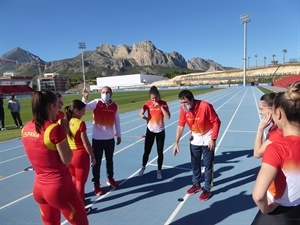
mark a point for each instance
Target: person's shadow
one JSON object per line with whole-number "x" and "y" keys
{"x": 218, "y": 211}
{"x": 153, "y": 187}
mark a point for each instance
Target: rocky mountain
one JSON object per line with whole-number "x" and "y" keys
{"x": 108, "y": 60}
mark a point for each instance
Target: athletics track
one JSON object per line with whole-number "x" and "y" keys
{"x": 146, "y": 200}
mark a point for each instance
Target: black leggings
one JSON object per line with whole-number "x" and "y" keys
{"x": 160, "y": 141}
{"x": 280, "y": 216}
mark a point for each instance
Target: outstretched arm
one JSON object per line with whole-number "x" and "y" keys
{"x": 179, "y": 132}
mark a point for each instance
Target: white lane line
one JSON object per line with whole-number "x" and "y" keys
{"x": 15, "y": 174}
{"x": 8, "y": 149}
{"x": 19, "y": 199}
{"x": 13, "y": 159}
{"x": 242, "y": 131}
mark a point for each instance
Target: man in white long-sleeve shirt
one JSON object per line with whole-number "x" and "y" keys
{"x": 15, "y": 109}
{"x": 106, "y": 120}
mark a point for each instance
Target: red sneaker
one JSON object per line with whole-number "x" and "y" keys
{"x": 112, "y": 182}
{"x": 194, "y": 189}
{"x": 204, "y": 195}
{"x": 97, "y": 190}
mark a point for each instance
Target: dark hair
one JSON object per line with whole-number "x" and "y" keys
{"x": 40, "y": 102}
{"x": 109, "y": 88}
{"x": 289, "y": 101}
{"x": 69, "y": 110}
{"x": 269, "y": 98}
{"x": 186, "y": 94}
{"x": 154, "y": 91}
{"x": 58, "y": 95}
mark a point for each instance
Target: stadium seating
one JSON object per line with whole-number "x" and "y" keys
{"x": 16, "y": 89}
{"x": 286, "y": 81}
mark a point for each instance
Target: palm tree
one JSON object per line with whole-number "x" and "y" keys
{"x": 256, "y": 60}
{"x": 284, "y": 51}
{"x": 273, "y": 56}
{"x": 248, "y": 61}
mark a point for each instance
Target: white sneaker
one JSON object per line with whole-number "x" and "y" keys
{"x": 159, "y": 175}
{"x": 141, "y": 172}
{"x": 3, "y": 128}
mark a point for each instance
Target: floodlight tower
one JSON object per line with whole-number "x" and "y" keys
{"x": 82, "y": 46}
{"x": 245, "y": 19}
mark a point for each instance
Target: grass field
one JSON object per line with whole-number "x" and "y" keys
{"x": 127, "y": 101}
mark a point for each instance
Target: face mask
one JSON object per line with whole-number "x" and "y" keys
{"x": 187, "y": 107}
{"x": 105, "y": 97}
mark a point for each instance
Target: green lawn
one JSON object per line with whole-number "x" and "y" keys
{"x": 127, "y": 101}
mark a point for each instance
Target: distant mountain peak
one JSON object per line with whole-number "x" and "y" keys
{"x": 107, "y": 60}
{"x": 22, "y": 56}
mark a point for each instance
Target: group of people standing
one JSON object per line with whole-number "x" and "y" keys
{"x": 276, "y": 190}
{"x": 15, "y": 109}
{"x": 65, "y": 153}
{"x": 57, "y": 145}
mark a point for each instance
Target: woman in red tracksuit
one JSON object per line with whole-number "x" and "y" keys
{"x": 80, "y": 145}
{"x": 47, "y": 149}
{"x": 154, "y": 111}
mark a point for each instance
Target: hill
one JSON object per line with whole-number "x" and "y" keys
{"x": 108, "y": 60}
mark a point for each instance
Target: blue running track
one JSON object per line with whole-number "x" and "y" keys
{"x": 146, "y": 200}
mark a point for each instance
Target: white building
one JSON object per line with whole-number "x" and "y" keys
{"x": 53, "y": 82}
{"x": 125, "y": 81}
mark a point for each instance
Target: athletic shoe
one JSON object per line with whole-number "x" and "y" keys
{"x": 194, "y": 189}
{"x": 159, "y": 175}
{"x": 16, "y": 126}
{"x": 3, "y": 128}
{"x": 141, "y": 172}
{"x": 112, "y": 182}
{"x": 204, "y": 195}
{"x": 97, "y": 190}
{"x": 21, "y": 127}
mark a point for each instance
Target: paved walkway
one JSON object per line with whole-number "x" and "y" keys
{"x": 275, "y": 89}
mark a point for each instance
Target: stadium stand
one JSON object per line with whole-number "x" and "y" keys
{"x": 285, "y": 82}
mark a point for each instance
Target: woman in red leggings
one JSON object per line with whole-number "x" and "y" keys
{"x": 80, "y": 146}
{"x": 47, "y": 149}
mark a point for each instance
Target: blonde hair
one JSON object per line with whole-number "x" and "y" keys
{"x": 289, "y": 102}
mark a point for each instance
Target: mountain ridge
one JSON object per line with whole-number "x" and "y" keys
{"x": 108, "y": 60}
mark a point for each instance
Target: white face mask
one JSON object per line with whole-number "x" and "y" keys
{"x": 105, "y": 97}
{"x": 187, "y": 107}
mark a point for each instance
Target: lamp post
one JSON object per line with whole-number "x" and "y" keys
{"x": 82, "y": 46}
{"x": 245, "y": 19}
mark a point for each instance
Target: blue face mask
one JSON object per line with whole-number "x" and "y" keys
{"x": 105, "y": 97}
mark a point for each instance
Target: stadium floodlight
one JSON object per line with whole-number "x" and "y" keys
{"x": 82, "y": 46}
{"x": 245, "y": 19}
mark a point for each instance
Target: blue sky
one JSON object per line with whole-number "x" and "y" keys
{"x": 210, "y": 29}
